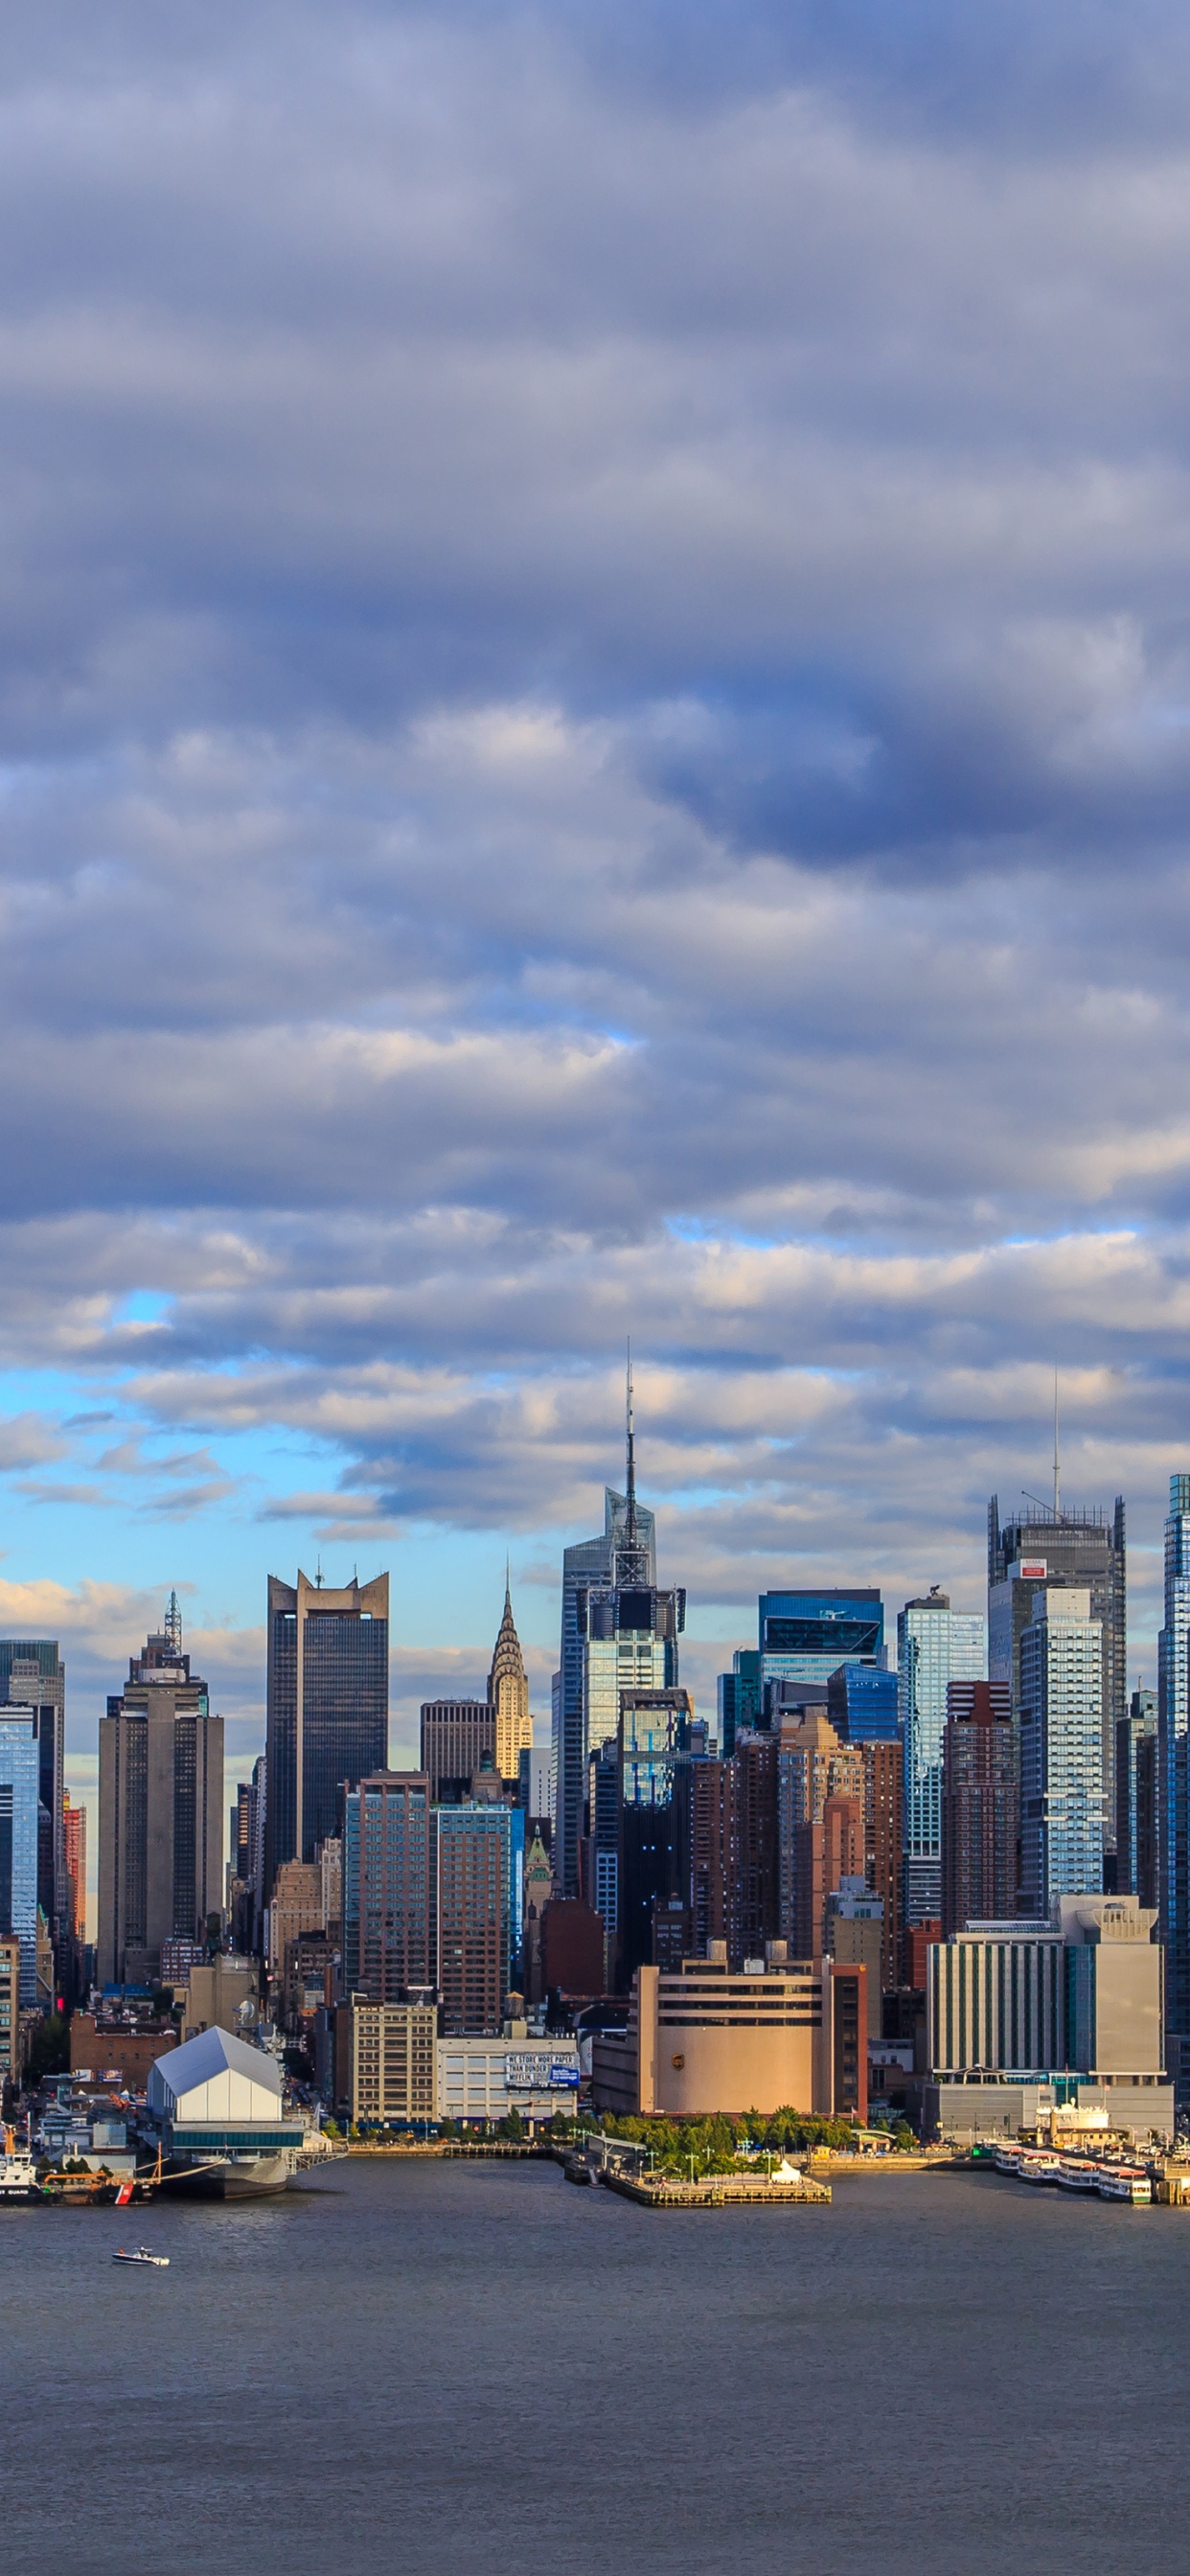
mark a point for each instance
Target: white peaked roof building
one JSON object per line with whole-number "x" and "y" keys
{"x": 215, "y": 2085}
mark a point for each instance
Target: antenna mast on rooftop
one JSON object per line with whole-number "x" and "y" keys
{"x": 1057, "y": 1466}
{"x": 173, "y": 1623}
{"x": 631, "y": 1455}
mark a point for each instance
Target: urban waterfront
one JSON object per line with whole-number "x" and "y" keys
{"x": 472, "y": 2366}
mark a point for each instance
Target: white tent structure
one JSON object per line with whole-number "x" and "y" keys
{"x": 217, "y": 2104}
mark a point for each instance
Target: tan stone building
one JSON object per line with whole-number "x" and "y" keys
{"x": 508, "y": 1694}
{"x": 392, "y": 2063}
{"x": 295, "y": 1907}
{"x": 785, "y": 2034}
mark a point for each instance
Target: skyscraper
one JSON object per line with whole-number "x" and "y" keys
{"x": 979, "y": 1806}
{"x": 618, "y": 1633}
{"x": 160, "y": 1810}
{"x": 327, "y": 1720}
{"x": 32, "y": 1675}
{"x": 738, "y": 1697}
{"x": 478, "y": 1892}
{"x": 935, "y": 1645}
{"x": 1173, "y": 1759}
{"x": 1136, "y": 1800}
{"x": 862, "y": 1704}
{"x": 1080, "y": 1547}
{"x": 457, "y": 1737}
{"x": 1062, "y": 1798}
{"x": 19, "y": 1808}
{"x": 820, "y": 1825}
{"x": 805, "y": 1636}
{"x": 389, "y": 1916}
{"x": 652, "y": 1743}
{"x": 508, "y": 1691}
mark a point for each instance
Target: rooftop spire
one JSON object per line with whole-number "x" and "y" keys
{"x": 631, "y": 1455}
{"x": 1057, "y": 1467}
{"x": 173, "y": 1623}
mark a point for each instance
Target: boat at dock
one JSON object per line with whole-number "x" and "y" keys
{"x": 1124, "y": 2182}
{"x": 18, "y": 2172}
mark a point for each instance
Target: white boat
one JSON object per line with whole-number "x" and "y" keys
{"x": 1040, "y": 2168}
{"x": 1074, "y": 2175}
{"x": 158, "y": 2262}
{"x": 1124, "y": 2182}
{"x": 18, "y": 2175}
{"x": 1008, "y": 2160}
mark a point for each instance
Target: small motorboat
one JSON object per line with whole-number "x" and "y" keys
{"x": 158, "y": 2262}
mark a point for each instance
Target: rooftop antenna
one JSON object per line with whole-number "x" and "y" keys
{"x": 318, "y": 1575}
{"x": 631, "y": 1455}
{"x": 173, "y": 1623}
{"x": 507, "y": 1580}
{"x": 1057, "y": 1466}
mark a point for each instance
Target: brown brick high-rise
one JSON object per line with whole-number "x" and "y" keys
{"x": 979, "y": 1806}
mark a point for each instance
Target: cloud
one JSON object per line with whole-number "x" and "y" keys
{"x": 594, "y": 738}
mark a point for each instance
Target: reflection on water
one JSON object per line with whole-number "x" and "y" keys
{"x": 477, "y": 2368}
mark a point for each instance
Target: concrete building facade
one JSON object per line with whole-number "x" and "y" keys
{"x": 784, "y": 2034}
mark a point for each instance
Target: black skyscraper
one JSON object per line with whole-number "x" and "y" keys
{"x": 327, "y": 1708}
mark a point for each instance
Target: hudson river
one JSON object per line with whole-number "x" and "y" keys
{"x": 475, "y": 2367}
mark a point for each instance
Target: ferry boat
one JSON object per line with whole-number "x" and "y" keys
{"x": 1075, "y": 2175}
{"x": 1008, "y": 2160}
{"x": 1124, "y": 2182}
{"x": 155, "y": 2262}
{"x": 1038, "y": 2167}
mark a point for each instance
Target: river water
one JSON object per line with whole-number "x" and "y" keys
{"x": 475, "y": 2367}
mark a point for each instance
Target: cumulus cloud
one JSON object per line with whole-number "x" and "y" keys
{"x": 594, "y": 737}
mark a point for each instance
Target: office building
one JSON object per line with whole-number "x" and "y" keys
{"x": 458, "y": 1739}
{"x": 1173, "y": 1761}
{"x": 705, "y": 2038}
{"x": 1079, "y": 1548}
{"x": 160, "y": 1811}
{"x": 1075, "y": 2001}
{"x": 327, "y": 1719}
{"x": 652, "y": 1749}
{"x": 10, "y": 2008}
{"x": 599, "y": 1875}
{"x": 539, "y": 1888}
{"x": 19, "y": 1812}
{"x": 855, "y": 1938}
{"x": 1137, "y": 1872}
{"x": 862, "y": 1704}
{"x": 392, "y": 2060}
{"x": 508, "y": 1692}
{"x": 884, "y": 1835}
{"x": 388, "y": 1888}
{"x": 294, "y": 1907}
{"x": 618, "y": 1633}
{"x": 738, "y": 1694}
{"x": 476, "y": 1890}
{"x": 32, "y": 1675}
{"x": 1061, "y": 1756}
{"x": 754, "y": 1916}
{"x": 73, "y": 1918}
{"x": 572, "y": 1949}
{"x": 979, "y": 1806}
{"x": 819, "y": 1839}
{"x": 935, "y": 1646}
{"x": 805, "y": 1636}
{"x": 481, "y": 2079}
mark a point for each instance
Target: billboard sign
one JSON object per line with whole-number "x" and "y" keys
{"x": 1033, "y": 1569}
{"x": 525, "y": 2072}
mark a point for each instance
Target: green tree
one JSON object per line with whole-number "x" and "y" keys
{"x": 49, "y": 2052}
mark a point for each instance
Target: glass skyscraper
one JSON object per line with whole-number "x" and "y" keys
{"x": 1173, "y": 1752}
{"x": 19, "y": 1807}
{"x": 935, "y": 1645}
{"x": 389, "y": 1913}
{"x": 327, "y": 1723}
{"x": 1062, "y": 1796}
{"x": 32, "y": 1674}
{"x": 805, "y": 1636}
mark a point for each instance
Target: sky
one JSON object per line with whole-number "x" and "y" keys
{"x": 594, "y": 741}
